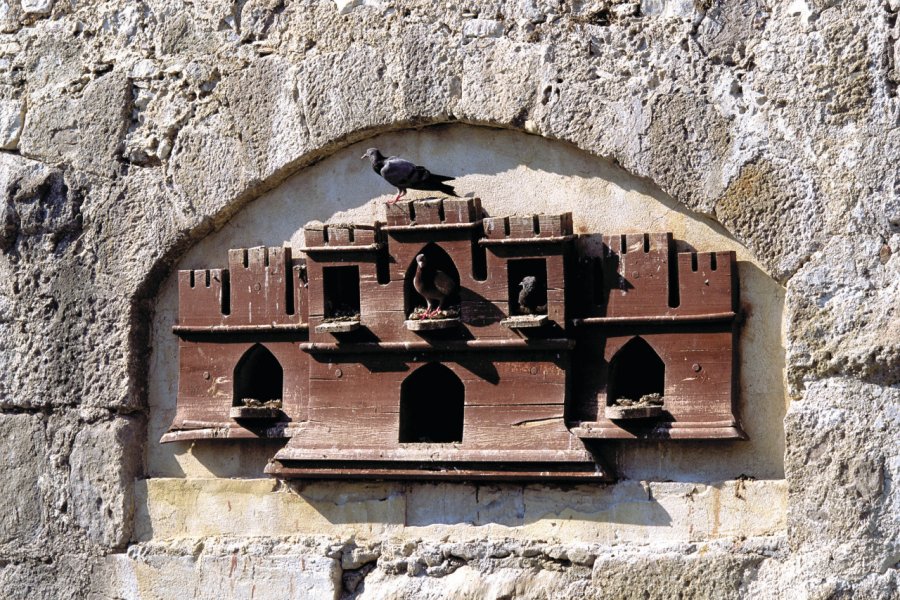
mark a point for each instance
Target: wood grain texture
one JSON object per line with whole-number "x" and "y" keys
{"x": 529, "y": 398}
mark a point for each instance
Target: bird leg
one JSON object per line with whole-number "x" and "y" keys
{"x": 400, "y": 194}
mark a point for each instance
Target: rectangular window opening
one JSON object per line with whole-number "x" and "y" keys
{"x": 341, "y": 289}
{"x": 527, "y": 286}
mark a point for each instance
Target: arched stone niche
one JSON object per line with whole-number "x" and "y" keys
{"x": 512, "y": 173}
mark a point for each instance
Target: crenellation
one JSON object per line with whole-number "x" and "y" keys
{"x": 521, "y": 226}
{"x": 314, "y": 234}
{"x": 261, "y": 287}
{"x": 636, "y": 274}
{"x": 528, "y": 227}
{"x": 200, "y": 296}
{"x": 496, "y": 227}
{"x": 641, "y": 279}
{"x": 706, "y": 282}
{"x": 462, "y": 210}
{"x": 555, "y": 225}
{"x": 341, "y": 235}
{"x": 431, "y": 211}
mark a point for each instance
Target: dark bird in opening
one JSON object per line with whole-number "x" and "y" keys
{"x": 404, "y": 175}
{"x": 433, "y": 285}
{"x": 532, "y": 297}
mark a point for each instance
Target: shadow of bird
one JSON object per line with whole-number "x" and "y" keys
{"x": 404, "y": 175}
{"x": 433, "y": 285}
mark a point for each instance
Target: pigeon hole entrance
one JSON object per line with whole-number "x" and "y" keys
{"x": 436, "y": 259}
{"x": 634, "y": 372}
{"x": 431, "y": 406}
{"x": 518, "y": 270}
{"x": 340, "y": 287}
{"x": 257, "y": 376}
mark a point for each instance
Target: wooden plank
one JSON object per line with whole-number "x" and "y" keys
{"x": 450, "y": 472}
{"x": 430, "y": 452}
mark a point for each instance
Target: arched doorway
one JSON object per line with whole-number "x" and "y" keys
{"x": 635, "y": 371}
{"x": 437, "y": 259}
{"x": 258, "y": 376}
{"x": 431, "y": 406}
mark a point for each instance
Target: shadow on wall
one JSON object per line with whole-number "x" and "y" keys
{"x": 512, "y": 173}
{"x": 506, "y": 505}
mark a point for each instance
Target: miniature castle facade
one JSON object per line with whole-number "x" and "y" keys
{"x": 329, "y": 350}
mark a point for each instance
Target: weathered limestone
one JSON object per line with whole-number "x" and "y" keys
{"x": 629, "y": 512}
{"x": 130, "y": 131}
{"x": 102, "y": 494}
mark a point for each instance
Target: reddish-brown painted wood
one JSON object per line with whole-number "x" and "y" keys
{"x": 530, "y": 396}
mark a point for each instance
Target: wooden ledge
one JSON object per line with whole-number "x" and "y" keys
{"x": 525, "y": 321}
{"x": 698, "y": 318}
{"x": 431, "y": 324}
{"x": 697, "y": 430}
{"x": 349, "y": 248}
{"x": 431, "y": 226}
{"x": 438, "y": 346}
{"x": 434, "y": 471}
{"x": 228, "y": 431}
{"x": 254, "y": 413}
{"x": 616, "y": 413}
{"x": 337, "y": 326}
{"x": 507, "y": 241}
{"x": 225, "y": 329}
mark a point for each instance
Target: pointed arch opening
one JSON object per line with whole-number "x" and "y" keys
{"x": 436, "y": 260}
{"x": 635, "y": 371}
{"x": 431, "y": 406}
{"x": 257, "y": 376}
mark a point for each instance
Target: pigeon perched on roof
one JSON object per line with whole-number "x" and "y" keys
{"x": 404, "y": 175}
{"x": 433, "y": 285}
{"x": 532, "y": 298}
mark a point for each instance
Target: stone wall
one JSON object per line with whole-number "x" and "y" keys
{"x": 142, "y": 136}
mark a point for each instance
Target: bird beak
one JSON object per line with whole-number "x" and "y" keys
{"x": 362, "y": 157}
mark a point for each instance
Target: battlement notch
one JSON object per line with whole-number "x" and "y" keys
{"x": 337, "y": 237}
{"x": 527, "y": 228}
{"x": 447, "y": 212}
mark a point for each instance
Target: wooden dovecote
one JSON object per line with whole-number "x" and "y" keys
{"x": 238, "y": 327}
{"x": 669, "y": 323}
{"x": 635, "y": 342}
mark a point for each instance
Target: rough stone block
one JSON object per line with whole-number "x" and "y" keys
{"x": 12, "y": 118}
{"x": 106, "y": 459}
{"x": 218, "y": 571}
{"x": 22, "y": 458}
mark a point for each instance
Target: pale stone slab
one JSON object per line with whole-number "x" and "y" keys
{"x": 12, "y": 118}
{"x": 624, "y": 512}
{"x": 166, "y": 576}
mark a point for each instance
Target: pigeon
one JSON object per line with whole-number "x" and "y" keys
{"x": 432, "y": 285}
{"x": 530, "y": 297}
{"x": 404, "y": 175}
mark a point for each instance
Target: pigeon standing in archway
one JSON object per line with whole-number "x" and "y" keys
{"x": 404, "y": 175}
{"x": 433, "y": 285}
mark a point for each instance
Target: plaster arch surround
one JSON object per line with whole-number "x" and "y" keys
{"x": 512, "y": 173}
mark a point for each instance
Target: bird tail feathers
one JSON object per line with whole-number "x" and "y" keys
{"x": 446, "y": 189}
